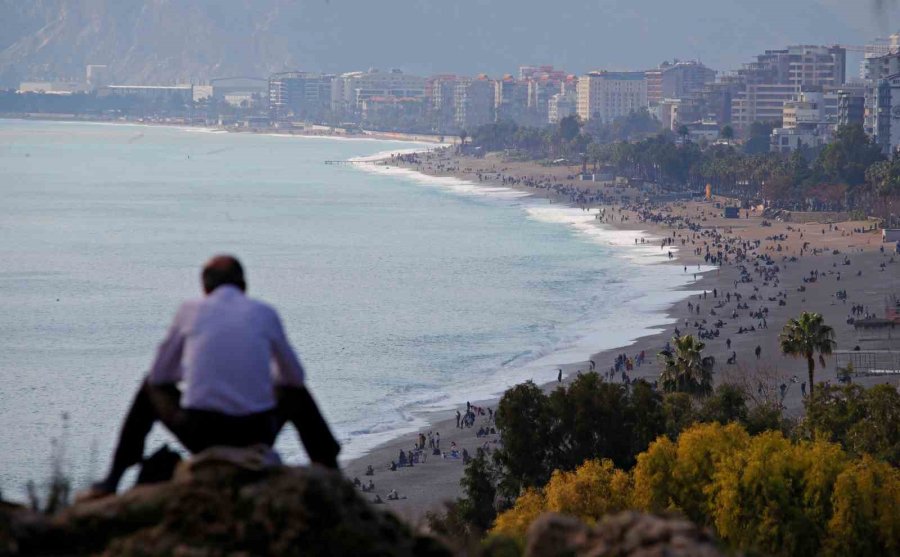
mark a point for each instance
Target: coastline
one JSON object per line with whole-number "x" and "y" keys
{"x": 428, "y": 486}
{"x": 315, "y": 131}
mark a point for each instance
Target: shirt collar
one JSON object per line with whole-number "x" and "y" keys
{"x": 226, "y": 291}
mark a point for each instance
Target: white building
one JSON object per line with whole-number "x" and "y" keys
{"x": 51, "y": 87}
{"x": 560, "y": 106}
{"x": 96, "y": 75}
{"x": 807, "y": 121}
{"x": 349, "y": 90}
{"x": 667, "y": 113}
{"x": 606, "y": 96}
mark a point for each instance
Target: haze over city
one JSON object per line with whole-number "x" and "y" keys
{"x": 484, "y": 278}
{"x": 162, "y": 42}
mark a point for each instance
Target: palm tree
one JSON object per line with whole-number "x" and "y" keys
{"x": 803, "y": 337}
{"x": 686, "y": 369}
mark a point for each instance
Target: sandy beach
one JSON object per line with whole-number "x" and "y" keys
{"x": 841, "y": 255}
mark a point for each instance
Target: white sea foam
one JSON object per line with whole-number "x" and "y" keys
{"x": 650, "y": 294}
{"x": 587, "y": 225}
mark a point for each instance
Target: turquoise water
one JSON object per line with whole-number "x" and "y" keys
{"x": 400, "y": 293}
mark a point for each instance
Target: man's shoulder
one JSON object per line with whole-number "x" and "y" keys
{"x": 261, "y": 307}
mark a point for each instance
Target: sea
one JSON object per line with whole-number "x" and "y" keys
{"x": 404, "y": 295}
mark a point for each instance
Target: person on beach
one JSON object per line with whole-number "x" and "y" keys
{"x": 220, "y": 348}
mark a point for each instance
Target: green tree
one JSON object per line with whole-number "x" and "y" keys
{"x": 678, "y": 409}
{"x": 726, "y": 405}
{"x": 585, "y": 420}
{"x": 727, "y": 132}
{"x": 478, "y": 484}
{"x": 846, "y": 159}
{"x": 758, "y": 137}
{"x": 569, "y": 128}
{"x": 523, "y": 418}
{"x": 686, "y": 369}
{"x": 863, "y": 421}
{"x": 804, "y": 337}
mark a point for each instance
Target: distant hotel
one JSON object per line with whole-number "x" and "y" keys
{"x": 606, "y": 96}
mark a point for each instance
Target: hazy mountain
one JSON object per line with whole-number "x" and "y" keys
{"x": 159, "y": 41}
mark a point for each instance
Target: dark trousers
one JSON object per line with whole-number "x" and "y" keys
{"x": 200, "y": 429}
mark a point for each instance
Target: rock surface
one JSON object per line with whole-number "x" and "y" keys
{"x": 218, "y": 509}
{"x": 627, "y": 534}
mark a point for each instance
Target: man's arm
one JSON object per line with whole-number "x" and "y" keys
{"x": 289, "y": 370}
{"x": 166, "y": 367}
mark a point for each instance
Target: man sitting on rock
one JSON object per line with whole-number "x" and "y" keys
{"x": 220, "y": 348}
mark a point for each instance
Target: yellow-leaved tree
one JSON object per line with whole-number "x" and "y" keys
{"x": 592, "y": 490}
{"x": 701, "y": 449}
{"x": 866, "y": 510}
{"x": 653, "y": 486}
{"x": 775, "y": 496}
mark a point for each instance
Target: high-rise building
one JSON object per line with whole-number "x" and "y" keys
{"x": 779, "y": 76}
{"x": 677, "y": 80}
{"x": 474, "y": 102}
{"x": 441, "y": 92}
{"x": 300, "y": 94}
{"x": 560, "y": 106}
{"x": 887, "y": 114}
{"x": 851, "y": 108}
{"x": 511, "y": 99}
{"x": 798, "y": 65}
{"x": 350, "y": 89}
{"x": 761, "y": 102}
{"x": 606, "y": 96}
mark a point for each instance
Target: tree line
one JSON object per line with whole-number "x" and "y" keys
{"x": 849, "y": 173}
{"x": 725, "y": 457}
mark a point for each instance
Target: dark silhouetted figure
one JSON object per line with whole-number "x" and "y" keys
{"x": 220, "y": 348}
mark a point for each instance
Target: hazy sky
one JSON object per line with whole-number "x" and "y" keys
{"x": 160, "y": 40}
{"x": 497, "y": 35}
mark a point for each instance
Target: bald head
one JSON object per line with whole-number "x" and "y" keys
{"x": 223, "y": 269}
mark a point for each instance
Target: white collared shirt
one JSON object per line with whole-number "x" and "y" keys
{"x": 229, "y": 351}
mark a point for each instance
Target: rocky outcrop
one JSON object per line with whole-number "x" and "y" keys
{"x": 627, "y": 534}
{"x": 219, "y": 509}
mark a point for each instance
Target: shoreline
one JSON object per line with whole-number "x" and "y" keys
{"x": 565, "y": 353}
{"x": 427, "y": 486}
{"x": 315, "y": 131}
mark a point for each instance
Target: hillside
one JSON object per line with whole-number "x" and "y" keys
{"x": 164, "y": 41}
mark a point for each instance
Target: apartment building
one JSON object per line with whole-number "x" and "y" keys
{"x": 349, "y": 90}
{"x": 560, "y": 106}
{"x": 761, "y": 102}
{"x": 511, "y": 99}
{"x": 473, "y": 100}
{"x": 675, "y": 80}
{"x": 440, "y": 91}
{"x": 886, "y": 117}
{"x": 779, "y": 76}
{"x": 304, "y": 95}
{"x": 851, "y": 109}
{"x": 606, "y": 96}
